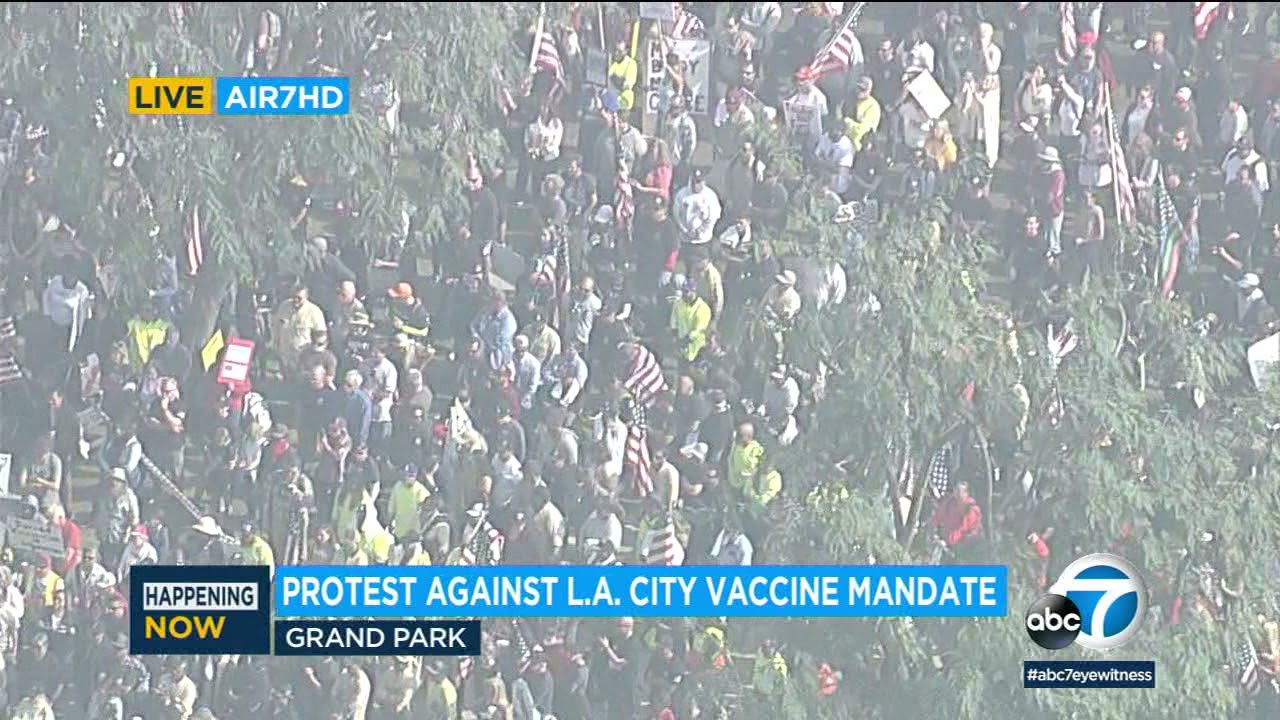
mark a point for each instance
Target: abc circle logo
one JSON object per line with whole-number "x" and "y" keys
{"x": 1098, "y": 603}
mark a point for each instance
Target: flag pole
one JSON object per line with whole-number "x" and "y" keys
{"x": 848, "y": 21}
{"x": 537, "y": 37}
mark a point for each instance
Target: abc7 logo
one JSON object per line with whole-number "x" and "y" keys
{"x": 1098, "y": 603}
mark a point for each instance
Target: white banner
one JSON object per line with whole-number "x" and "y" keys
{"x": 695, "y": 60}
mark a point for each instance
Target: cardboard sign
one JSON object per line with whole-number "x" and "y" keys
{"x": 236, "y": 361}
{"x": 663, "y": 11}
{"x": 926, "y": 90}
{"x": 1263, "y": 357}
{"x": 695, "y": 62}
{"x": 31, "y": 538}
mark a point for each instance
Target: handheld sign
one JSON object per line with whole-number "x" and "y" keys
{"x": 235, "y": 363}
{"x": 32, "y": 537}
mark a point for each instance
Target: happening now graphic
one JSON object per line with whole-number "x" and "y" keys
{"x": 1097, "y": 603}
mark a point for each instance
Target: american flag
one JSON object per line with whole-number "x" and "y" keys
{"x": 1172, "y": 237}
{"x": 8, "y": 327}
{"x": 194, "y": 237}
{"x": 939, "y": 473}
{"x": 687, "y": 26}
{"x": 644, "y": 379}
{"x": 1205, "y": 14}
{"x": 624, "y": 201}
{"x": 485, "y": 547}
{"x": 546, "y": 56}
{"x": 838, "y": 54}
{"x": 10, "y": 370}
{"x": 1125, "y": 204}
{"x": 662, "y": 547}
{"x": 1066, "y": 32}
{"x": 1245, "y": 662}
{"x": 637, "y": 452}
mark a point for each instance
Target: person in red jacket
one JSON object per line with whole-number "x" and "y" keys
{"x": 958, "y": 517}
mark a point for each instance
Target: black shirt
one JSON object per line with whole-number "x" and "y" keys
{"x": 578, "y": 193}
{"x": 485, "y": 215}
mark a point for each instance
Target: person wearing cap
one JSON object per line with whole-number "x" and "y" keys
{"x": 404, "y": 504}
{"x": 116, "y": 515}
{"x": 807, "y": 107}
{"x": 1050, "y": 199}
{"x": 782, "y": 300}
{"x": 292, "y": 323}
{"x": 690, "y": 320}
{"x": 138, "y": 551}
{"x": 697, "y": 210}
{"x": 733, "y": 119}
{"x": 408, "y": 314}
{"x": 863, "y": 116}
{"x": 439, "y": 695}
{"x": 254, "y": 548}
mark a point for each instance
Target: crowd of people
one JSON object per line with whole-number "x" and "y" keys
{"x": 551, "y": 381}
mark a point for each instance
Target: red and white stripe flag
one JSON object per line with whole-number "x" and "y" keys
{"x": 645, "y": 380}
{"x": 1066, "y": 32}
{"x": 637, "y": 450}
{"x": 1205, "y": 14}
{"x": 10, "y": 370}
{"x": 687, "y": 26}
{"x": 8, "y": 328}
{"x": 840, "y": 53}
{"x": 485, "y": 549}
{"x": 662, "y": 547}
{"x": 194, "y": 238}
{"x": 1126, "y": 205}
{"x": 546, "y": 56}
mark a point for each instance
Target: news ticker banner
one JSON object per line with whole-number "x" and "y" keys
{"x": 243, "y": 96}
{"x": 1086, "y": 674}
{"x": 379, "y": 610}
{"x": 640, "y": 591}
{"x": 211, "y": 610}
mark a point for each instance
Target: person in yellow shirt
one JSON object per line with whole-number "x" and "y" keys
{"x": 255, "y": 550}
{"x": 690, "y": 319}
{"x": 757, "y": 481}
{"x": 941, "y": 146}
{"x": 865, "y": 115}
{"x": 439, "y": 695}
{"x": 405, "y": 503}
{"x": 146, "y": 333}
{"x": 624, "y": 67}
{"x": 769, "y": 676}
{"x": 710, "y": 285}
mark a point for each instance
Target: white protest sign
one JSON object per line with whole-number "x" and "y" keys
{"x": 933, "y": 100}
{"x": 663, "y": 11}
{"x": 1263, "y": 357}
{"x": 695, "y": 65}
{"x": 33, "y": 537}
{"x": 6, "y": 471}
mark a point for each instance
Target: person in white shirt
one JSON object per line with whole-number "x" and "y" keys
{"x": 542, "y": 140}
{"x": 139, "y": 551}
{"x": 1233, "y": 125}
{"x": 66, "y": 304}
{"x": 566, "y": 375}
{"x": 681, "y": 134}
{"x": 1241, "y": 156}
{"x": 781, "y": 394}
{"x": 834, "y": 153}
{"x": 807, "y": 107}
{"x": 732, "y": 547}
{"x": 602, "y": 525}
{"x": 697, "y": 210}
{"x": 177, "y": 690}
{"x": 1068, "y": 119}
{"x": 917, "y": 54}
{"x": 527, "y": 372}
{"x": 761, "y": 19}
{"x": 381, "y": 379}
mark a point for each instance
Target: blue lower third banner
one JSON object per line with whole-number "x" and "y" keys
{"x": 688, "y": 591}
{"x": 1088, "y": 674}
{"x": 200, "y": 610}
{"x": 378, "y": 637}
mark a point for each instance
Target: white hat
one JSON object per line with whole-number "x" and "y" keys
{"x": 118, "y": 473}
{"x": 1183, "y": 94}
{"x": 207, "y": 526}
{"x": 1248, "y": 282}
{"x": 1030, "y": 124}
{"x": 695, "y": 450}
{"x": 786, "y": 277}
{"x": 476, "y": 510}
